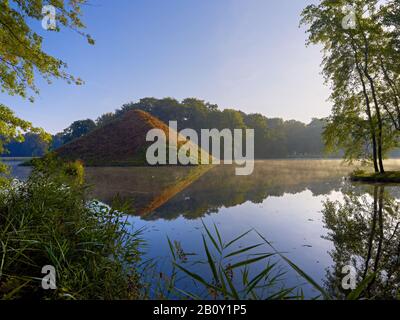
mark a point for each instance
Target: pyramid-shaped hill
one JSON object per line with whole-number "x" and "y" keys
{"x": 121, "y": 142}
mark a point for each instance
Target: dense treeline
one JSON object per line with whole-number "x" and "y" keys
{"x": 274, "y": 138}
{"x": 32, "y": 146}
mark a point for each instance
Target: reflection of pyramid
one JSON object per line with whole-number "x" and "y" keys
{"x": 147, "y": 188}
{"x": 174, "y": 189}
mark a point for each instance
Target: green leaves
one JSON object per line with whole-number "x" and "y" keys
{"x": 304, "y": 275}
{"x": 21, "y": 53}
{"x": 267, "y": 284}
{"x": 359, "y": 67}
{"x": 22, "y": 57}
{"x": 14, "y": 128}
{"x": 356, "y": 293}
{"x": 242, "y": 250}
{"x": 231, "y": 272}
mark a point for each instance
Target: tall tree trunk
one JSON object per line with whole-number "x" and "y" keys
{"x": 396, "y": 95}
{"x": 371, "y": 125}
{"x": 376, "y": 104}
{"x": 368, "y": 105}
{"x": 380, "y": 124}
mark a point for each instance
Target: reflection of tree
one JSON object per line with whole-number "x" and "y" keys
{"x": 364, "y": 230}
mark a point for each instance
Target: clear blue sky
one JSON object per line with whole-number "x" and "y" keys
{"x": 243, "y": 54}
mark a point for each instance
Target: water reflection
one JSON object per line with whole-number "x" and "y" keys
{"x": 146, "y": 188}
{"x": 364, "y": 231}
{"x": 170, "y": 192}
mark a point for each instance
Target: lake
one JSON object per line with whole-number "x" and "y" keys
{"x": 307, "y": 209}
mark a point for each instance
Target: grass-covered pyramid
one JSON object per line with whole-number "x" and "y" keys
{"x": 121, "y": 142}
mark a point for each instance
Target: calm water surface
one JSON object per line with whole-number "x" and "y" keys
{"x": 306, "y": 208}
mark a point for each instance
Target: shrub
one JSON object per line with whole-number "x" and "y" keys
{"x": 75, "y": 169}
{"x": 358, "y": 172}
{"x": 47, "y": 221}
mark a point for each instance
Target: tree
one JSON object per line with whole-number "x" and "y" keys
{"x": 78, "y": 129}
{"x": 388, "y": 60}
{"x": 22, "y": 57}
{"x": 261, "y": 133}
{"x": 33, "y": 145}
{"x": 56, "y": 141}
{"x": 356, "y": 59}
{"x": 105, "y": 119}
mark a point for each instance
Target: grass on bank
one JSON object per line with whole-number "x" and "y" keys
{"x": 372, "y": 177}
{"x": 47, "y": 221}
